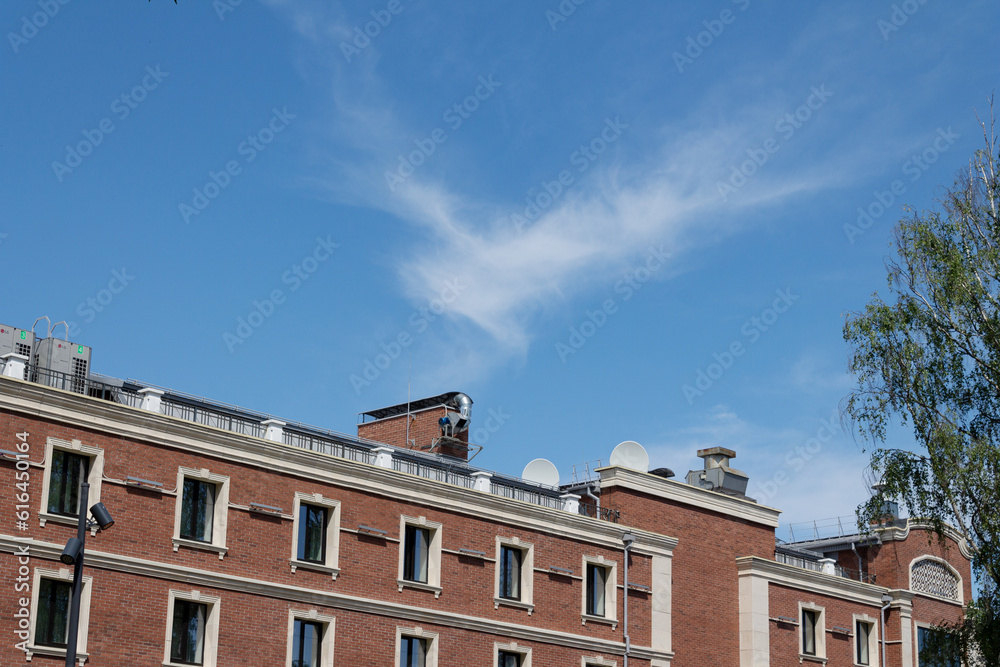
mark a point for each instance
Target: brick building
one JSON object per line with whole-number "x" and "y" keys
{"x": 245, "y": 540}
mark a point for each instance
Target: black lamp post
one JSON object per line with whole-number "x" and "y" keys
{"x": 73, "y": 555}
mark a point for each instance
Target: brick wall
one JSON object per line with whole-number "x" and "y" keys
{"x": 424, "y": 430}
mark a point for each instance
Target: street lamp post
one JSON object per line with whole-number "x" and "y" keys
{"x": 73, "y": 555}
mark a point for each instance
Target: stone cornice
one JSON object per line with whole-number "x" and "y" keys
{"x": 98, "y": 560}
{"x": 128, "y": 422}
{"x": 809, "y": 580}
{"x": 688, "y": 495}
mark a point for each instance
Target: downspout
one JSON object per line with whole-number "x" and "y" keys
{"x": 628, "y": 539}
{"x": 861, "y": 576}
{"x": 597, "y": 501}
{"x": 887, "y": 599}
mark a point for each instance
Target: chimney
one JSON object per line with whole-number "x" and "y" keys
{"x": 438, "y": 424}
{"x": 717, "y": 475}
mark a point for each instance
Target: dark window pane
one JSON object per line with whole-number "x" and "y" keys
{"x": 412, "y": 652}
{"x": 862, "y": 634}
{"x": 306, "y": 642}
{"x": 187, "y": 636}
{"x": 53, "y": 612}
{"x": 197, "y": 510}
{"x": 597, "y": 577}
{"x": 68, "y": 472}
{"x": 415, "y": 553}
{"x": 510, "y": 573}
{"x": 808, "y": 632}
{"x": 506, "y": 659}
{"x": 312, "y": 533}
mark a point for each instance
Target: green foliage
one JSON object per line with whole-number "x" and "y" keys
{"x": 930, "y": 357}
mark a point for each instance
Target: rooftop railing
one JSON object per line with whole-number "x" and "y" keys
{"x": 816, "y": 566}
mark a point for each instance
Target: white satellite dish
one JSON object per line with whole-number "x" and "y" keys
{"x": 630, "y": 454}
{"x": 541, "y": 471}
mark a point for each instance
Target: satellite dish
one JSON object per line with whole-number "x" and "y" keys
{"x": 541, "y": 471}
{"x": 630, "y": 454}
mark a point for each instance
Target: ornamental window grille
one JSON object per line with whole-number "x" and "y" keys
{"x": 930, "y": 576}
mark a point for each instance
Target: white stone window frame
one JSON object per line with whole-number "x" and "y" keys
{"x": 432, "y": 644}
{"x": 873, "y": 647}
{"x": 513, "y": 647}
{"x": 332, "y": 564}
{"x": 610, "y": 591}
{"x": 221, "y": 510}
{"x": 597, "y": 661}
{"x": 948, "y": 566}
{"x": 66, "y": 575}
{"x": 820, "y": 632}
{"x": 527, "y": 550}
{"x": 210, "y": 653}
{"x": 433, "y": 583}
{"x": 95, "y": 474}
{"x": 326, "y": 644}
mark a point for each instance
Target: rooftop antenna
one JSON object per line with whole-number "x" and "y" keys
{"x": 409, "y": 376}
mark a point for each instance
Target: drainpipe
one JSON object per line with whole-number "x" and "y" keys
{"x": 861, "y": 576}
{"x": 628, "y": 539}
{"x": 587, "y": 493}
{"x": 887, "y": 599}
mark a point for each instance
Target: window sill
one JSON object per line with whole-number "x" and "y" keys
{"x": 613, "y": 622}
{"x": 45, "y": 517}
{"x": 183, "y": 664}
{"x": 315, "y": 567}
{"x": 517, "y": 604}
{"x": 203, "y": 546}
{"x": 811, "y": 658}
{"x": 54, "y": 651}
{"x": 403, "y": 583}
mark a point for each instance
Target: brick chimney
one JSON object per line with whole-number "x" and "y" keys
{"x": 427, "y": 433}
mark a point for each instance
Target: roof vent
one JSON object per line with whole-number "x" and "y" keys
{"x": 717, "y": 475}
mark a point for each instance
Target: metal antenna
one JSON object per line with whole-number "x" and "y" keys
{"x": 409, "y": 375}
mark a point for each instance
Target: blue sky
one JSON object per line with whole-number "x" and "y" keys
{"x": 601, "y": 221}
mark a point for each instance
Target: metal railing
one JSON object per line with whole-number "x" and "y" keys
{"x": 436, "y": 472}
{"x": 171, "y": 407}
{"x": 79, "y": 384}
{"x": 838, "y": 526}
{"x": 507, "y": 489}
{"x": 604, "y": 513}
{"x": 816, "y": 566}
{"x": 327, "y": 446}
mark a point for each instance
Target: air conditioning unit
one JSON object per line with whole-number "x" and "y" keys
{"x": 61, "y": 364}
{"x": 17, "y": 341}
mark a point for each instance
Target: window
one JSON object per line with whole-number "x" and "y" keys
{"x": 192, "y": 629}
{"x": 416, "y": 648}
{"x": 187, "y": 635}
{"x": 419, "y": 554}
{"x": 51, "y": 594}
{"x": 936, "y": 648}
{"x": 317, "y": 533}
{"x": 52, "y": 625}
{"x": 599, "y": 589}
{"x": 200, "y": 515}
{"x": 514, "y": 570}
{"x": 68, "y": 465}
{"x": 511, "y": 655}
{"x": 812, "y": 637}
{"x": 865, "y": 641}
{"x": 809, "y": 618}
{"x": 198, "y": 510}
{"x": 68, "y": 473}
{"x": 597, "y": 583}
{"x": 310, "y": 639}
{"x": 510, "y": 572}
{"x": 416, "y": 549}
